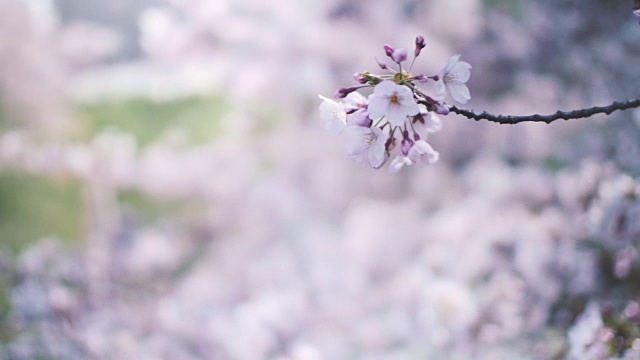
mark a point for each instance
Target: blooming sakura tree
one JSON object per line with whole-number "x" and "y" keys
{"x": 400, "y": 111}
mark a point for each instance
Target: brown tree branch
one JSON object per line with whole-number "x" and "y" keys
{"x": 566, "y": 115}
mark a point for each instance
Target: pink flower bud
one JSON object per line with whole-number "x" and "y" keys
{"x": 406, "y": 145}
{"x": 343, "y": 92}
{"x": 382, "y": 65}
{"x": 386, "y": 157}
{"x": 388, "y": 50}
{"x": 399, "y": 55}
{"x": 420, "y": 44}
{"x": 421, "y": 78}
{"x": 391, "y": 144}
{"x": 361, "y": 78}
{"x": 442, "y": 109}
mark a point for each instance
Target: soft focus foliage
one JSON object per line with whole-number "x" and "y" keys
{"x": 169, "y": 190}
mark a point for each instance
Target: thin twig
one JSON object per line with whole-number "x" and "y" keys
{"x": 566, "y": 115}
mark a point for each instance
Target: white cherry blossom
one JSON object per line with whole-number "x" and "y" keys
{"x": 355, "y": 101}
{"x": 423, "y": 154}
{"x": 394, "y": 102}
{"x": 366, "y": 145}
{"x": 430, "y": 123}
{"x": 333, "y": 114}
{"x": 356, "y": 105}
{"x": 399, "y": 162}
{"x": 453, "y": 77}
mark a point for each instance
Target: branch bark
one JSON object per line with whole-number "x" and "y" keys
{"x": 566, "y": 115}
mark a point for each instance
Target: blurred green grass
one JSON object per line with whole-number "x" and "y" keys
{"x": 197, "y": 118}
{"x": 36, "y": 206}
{"x": 32, "y": 207}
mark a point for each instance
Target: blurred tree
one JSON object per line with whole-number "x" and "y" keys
{"x": 30, "y": 89}
{"x": 120, "y": 15}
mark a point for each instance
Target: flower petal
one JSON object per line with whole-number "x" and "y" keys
{"x": 334, "y": 128}
{"x": 396, "y": 115}
{"x": 403, "y": 92}
{"x": 462, "y": 71}
{"x": 376, "y": 152}
{"x": 432, "y": 122}
{"x": 377, "y": 106}
{"x": 329, "y": 106}
{"x": 333, "y": 114}
{"x": 423, "y": 154}
{"x": 355, "y": 100}
{"x": 450, "y": 64}
{"x": 385, "y": 88}
{"x": 459, "y": 93}
{"x": 359, "y": 117}
{"x": 410, "y": 106}
{"x": 398, "y": 162}
{"x": 356, "y": 141}
{"x": 376, "y": 159}
{"x": 439, "y": 90}
{"x": 381, "y": 137}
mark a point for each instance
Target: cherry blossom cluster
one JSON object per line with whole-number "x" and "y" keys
{"x": 397, "y": 111}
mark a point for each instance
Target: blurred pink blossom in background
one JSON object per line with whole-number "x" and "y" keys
{"x": 168, "y": 189}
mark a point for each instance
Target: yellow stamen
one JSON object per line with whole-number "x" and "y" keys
{"x": 450, "y": 78}
{"x": 369, "y": 140}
